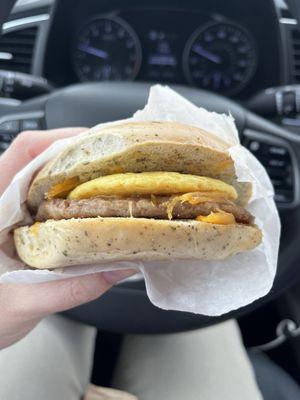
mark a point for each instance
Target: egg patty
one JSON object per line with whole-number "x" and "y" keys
{"x": 147, "y": 183}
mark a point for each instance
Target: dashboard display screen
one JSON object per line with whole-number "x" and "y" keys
{"x": 163, "y": 36}
{"x": 161, "y": 59}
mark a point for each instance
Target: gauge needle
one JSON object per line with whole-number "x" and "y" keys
{"x": 93, "y": 51}
{"x": 198, "y": 49}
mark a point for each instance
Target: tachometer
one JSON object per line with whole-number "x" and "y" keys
{"x": 221, "y": 57}
{"x": 107, "y": 49}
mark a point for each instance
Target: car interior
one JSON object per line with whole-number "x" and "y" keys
{"x": 79, "y": 63}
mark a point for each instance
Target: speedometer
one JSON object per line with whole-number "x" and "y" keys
{"x": 220, "y": 57}
{"x": 107, "y": 49}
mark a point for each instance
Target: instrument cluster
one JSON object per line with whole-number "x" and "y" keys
{"x": 215, "y": 53}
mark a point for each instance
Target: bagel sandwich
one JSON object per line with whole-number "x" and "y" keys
{"x": 137, "y": 191}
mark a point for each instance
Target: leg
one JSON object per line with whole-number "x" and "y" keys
{"x": 207, "y": 364}
{"x": 274, "y": 382}
{"x": 52, "y": 363}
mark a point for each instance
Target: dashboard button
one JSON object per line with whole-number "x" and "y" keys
{"x": 259, "y": 149}
{"x": 4, "y": 146}
{"x": 7, "y": 137}
{"x": 277, "y": 163}
{"x": 254, "y": 146}
{"x": 278, "y": 151}
{"x": 281, "y": 184}
{"x": 31, "y": 124}
{"x": 289, "y": 103}
{"x": 10, "y": 126}
{"x": 277, "y": 172}
{"x": 284, "y": 196}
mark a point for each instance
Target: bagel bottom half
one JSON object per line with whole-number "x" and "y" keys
{"x": 54, "y": 244}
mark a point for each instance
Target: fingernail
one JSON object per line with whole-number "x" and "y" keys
{"x": 113, "y": 277}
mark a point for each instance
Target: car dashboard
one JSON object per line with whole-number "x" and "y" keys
{"x": 208, "y": 45}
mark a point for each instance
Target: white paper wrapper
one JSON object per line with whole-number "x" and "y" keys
{"x": 203, "y": 287}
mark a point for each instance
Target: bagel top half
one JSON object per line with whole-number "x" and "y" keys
{"x": 138, "y": 147}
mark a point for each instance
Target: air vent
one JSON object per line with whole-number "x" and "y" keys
{"x": 295, "y": 33}
{"x": 16, "y": 50}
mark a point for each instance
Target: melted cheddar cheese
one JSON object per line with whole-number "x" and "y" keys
{"x": 193, "y": 198}
{"x": 221, "y": 218}
{"x": 61, "y": 190}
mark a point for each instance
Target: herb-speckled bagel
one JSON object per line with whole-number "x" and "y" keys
{"x": 54, "y": 244}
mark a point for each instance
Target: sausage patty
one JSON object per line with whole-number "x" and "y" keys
{"x": 138, "y": 207}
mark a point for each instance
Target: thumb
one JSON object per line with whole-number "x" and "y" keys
{"x": 40, "y": 299}
{"x": 72, "y": 292}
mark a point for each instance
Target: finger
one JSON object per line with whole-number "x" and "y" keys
{"x": 37, "y": 300}
{"x": 26, "y": 147}
{"x": 36, "y": 144}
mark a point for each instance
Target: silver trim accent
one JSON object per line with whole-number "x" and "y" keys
{"x": 279, "y": 101}
{"x": 18, "y": 23}
{"x": 288, "y": 21}
{"x": 5, "y": 56}
{"x": 20, "y": 116}
{"x": 285, "y": 134}
{"x": 9, "y": 102}
{"x": 291, "y": 121}
{"x": 41, "y": 21}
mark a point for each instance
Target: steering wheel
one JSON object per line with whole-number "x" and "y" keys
{"x": 126, "y": 307}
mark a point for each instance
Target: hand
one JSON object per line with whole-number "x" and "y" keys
{"x": 22, "y": 306}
